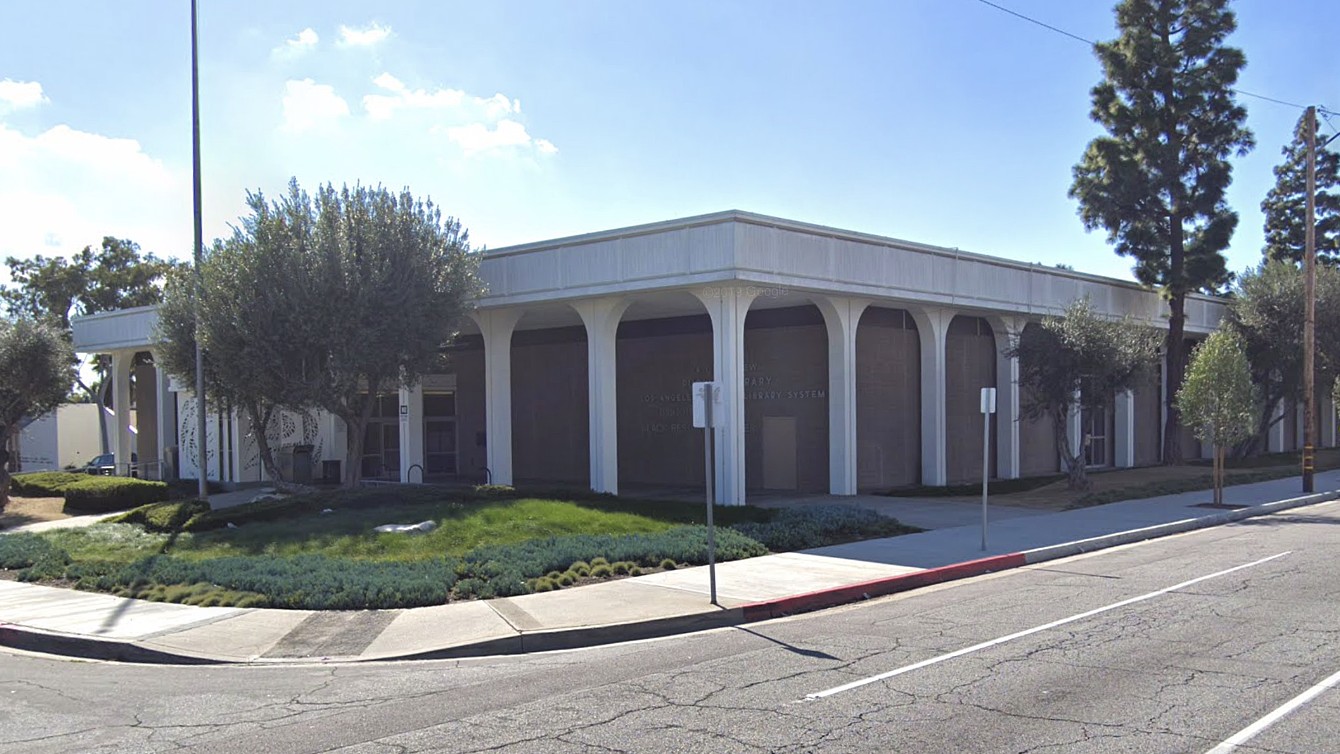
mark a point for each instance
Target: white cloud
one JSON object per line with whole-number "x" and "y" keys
{"x": 303, "y": 42}
{"x": 473, "y": 138}
{"x": 308, "y": 105}
{"x": 475, "y": 124}
{"x": 383, "y": 106}
{"x": 365, "y": 37}
{"x": 64, "y": 189}
{"x": 19, "y": 95}
{"x": 466, "y": 107}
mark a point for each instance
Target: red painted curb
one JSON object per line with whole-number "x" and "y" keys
{"x": 800, "y": 603}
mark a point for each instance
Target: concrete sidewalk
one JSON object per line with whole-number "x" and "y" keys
{"x": 68, "y": 622}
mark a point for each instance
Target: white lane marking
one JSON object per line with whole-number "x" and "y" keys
{"x": 1251, "y": 731}
{"x": 1029, "y": 631}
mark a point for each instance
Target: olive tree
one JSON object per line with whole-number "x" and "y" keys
{"x": 324, "y": 301}
{"x": 1218, "y": 399}
{"x": 1079, "y": 362}
{"x": 250, "y": 323}
{"x": 37, "y": 367}
{"x": 1267, "y": 310}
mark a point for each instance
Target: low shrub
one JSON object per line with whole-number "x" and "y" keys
{"x": 544, "y": 584}
{"x": 668, "y": 565}
{"x": 23, "y": 549}
{"x": 621, "y": 568}
{"x": 178, "y": 488}
{"x": 44, "y": 483}
{"x": 103, "y": 494}
{"x": 491, "y": 492}
{"x": 305, "y": 582}
{"x": 599, "y": 560}
{"x": 601, "y": 571}
{"x": 580, "y": 568}
{"x": 683, "y": 544}
{"x": 163, "y": 517}
{"x": 820, "y": 526}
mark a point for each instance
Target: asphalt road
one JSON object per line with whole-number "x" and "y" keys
{"x": 1175, "y": 645}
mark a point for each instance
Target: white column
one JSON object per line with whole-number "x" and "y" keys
{"x": 841, "y": 316}
{"x": 932, "y": 328}
{"x": 1124, "y": 430}
{"x": 497, "y": 325}
{"x": 167, "y": 412}
{"x": 1074, "y": 429}
{"x": 601, "y": 317}
{"x": 1275, "y": 440}
{"x": 411, "y": 435}
{"x": 122, "y": 442}
{"x": 728, "y": 305}
{"x": 1008, "y": 408}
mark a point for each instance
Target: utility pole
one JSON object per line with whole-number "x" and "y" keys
{"x": 200, "y": 429}
{"x": 1310, "y": 320}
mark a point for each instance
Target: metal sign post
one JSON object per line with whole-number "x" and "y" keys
{"x": 706, "y": 396}
{"x": 988, "y": 408}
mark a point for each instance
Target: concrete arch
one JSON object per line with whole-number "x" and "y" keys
{"x": 664, "y": 344}
{"x": 888, "y": 398}
{"x": 970, "y": 365}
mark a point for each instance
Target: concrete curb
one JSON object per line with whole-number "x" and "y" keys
{"x": 88, "y": 647}
{"x": 1067, "y": 549}
{"x": 818, "y": 600}
{"x": 93, "y": 648}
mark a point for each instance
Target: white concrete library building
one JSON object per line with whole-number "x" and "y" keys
{"x": 848, "y": 363}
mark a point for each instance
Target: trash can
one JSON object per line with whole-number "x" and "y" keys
{"x": 302, "y": 464}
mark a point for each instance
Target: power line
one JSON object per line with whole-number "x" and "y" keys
{"x": 1091, "y": 43}
{"x": 1002, "y": 8}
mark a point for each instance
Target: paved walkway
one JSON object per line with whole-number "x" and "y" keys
{"x": 98, "y": 625}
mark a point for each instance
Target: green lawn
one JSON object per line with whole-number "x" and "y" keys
{"x": 348, "y": 533}
{"x": 320, "y": 551}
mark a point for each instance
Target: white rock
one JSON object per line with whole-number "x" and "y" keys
{"x": 324, "y": 511}
{"x": 422, "y": 526}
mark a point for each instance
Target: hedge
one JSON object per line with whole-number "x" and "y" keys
{"x": 164, "y": 517}
{"x": 821, "y": 525}
{"x": 44, "y": 483}
{"x": 102, "y": 494}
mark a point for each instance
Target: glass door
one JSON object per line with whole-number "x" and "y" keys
{"x": 1095, "y": 438}
{"x": 391, "y": 450}
{"x": 439, "y": 446}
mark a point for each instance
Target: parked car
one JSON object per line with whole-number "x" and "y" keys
{"x": 105, "y": 465}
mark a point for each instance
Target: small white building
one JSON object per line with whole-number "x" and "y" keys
{"x": 850, "y": 362}
{"x": 64, "y": 438}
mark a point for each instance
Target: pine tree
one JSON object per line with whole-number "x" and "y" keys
{"x": 1156, "y": 182}
{"x": 1285, "y": 206}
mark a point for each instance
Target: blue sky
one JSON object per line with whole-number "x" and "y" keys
{"x": 938, "y": 121}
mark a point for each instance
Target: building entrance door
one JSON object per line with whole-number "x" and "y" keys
{"x": 439, "y": 446}
{"x": 779, "y": 452}
{"x": 1094, "y": 425}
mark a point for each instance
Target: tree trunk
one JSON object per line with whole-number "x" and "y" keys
{"x": 1076, "y": 477}
{"x": 260, "y": 424}
{"x": 1218, "y": 475}
{"x": 7, "y": 432}
{"x": 355, "y": 424}
{"x": 4, "y": 470}
{"x": 1176, "y": 355}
